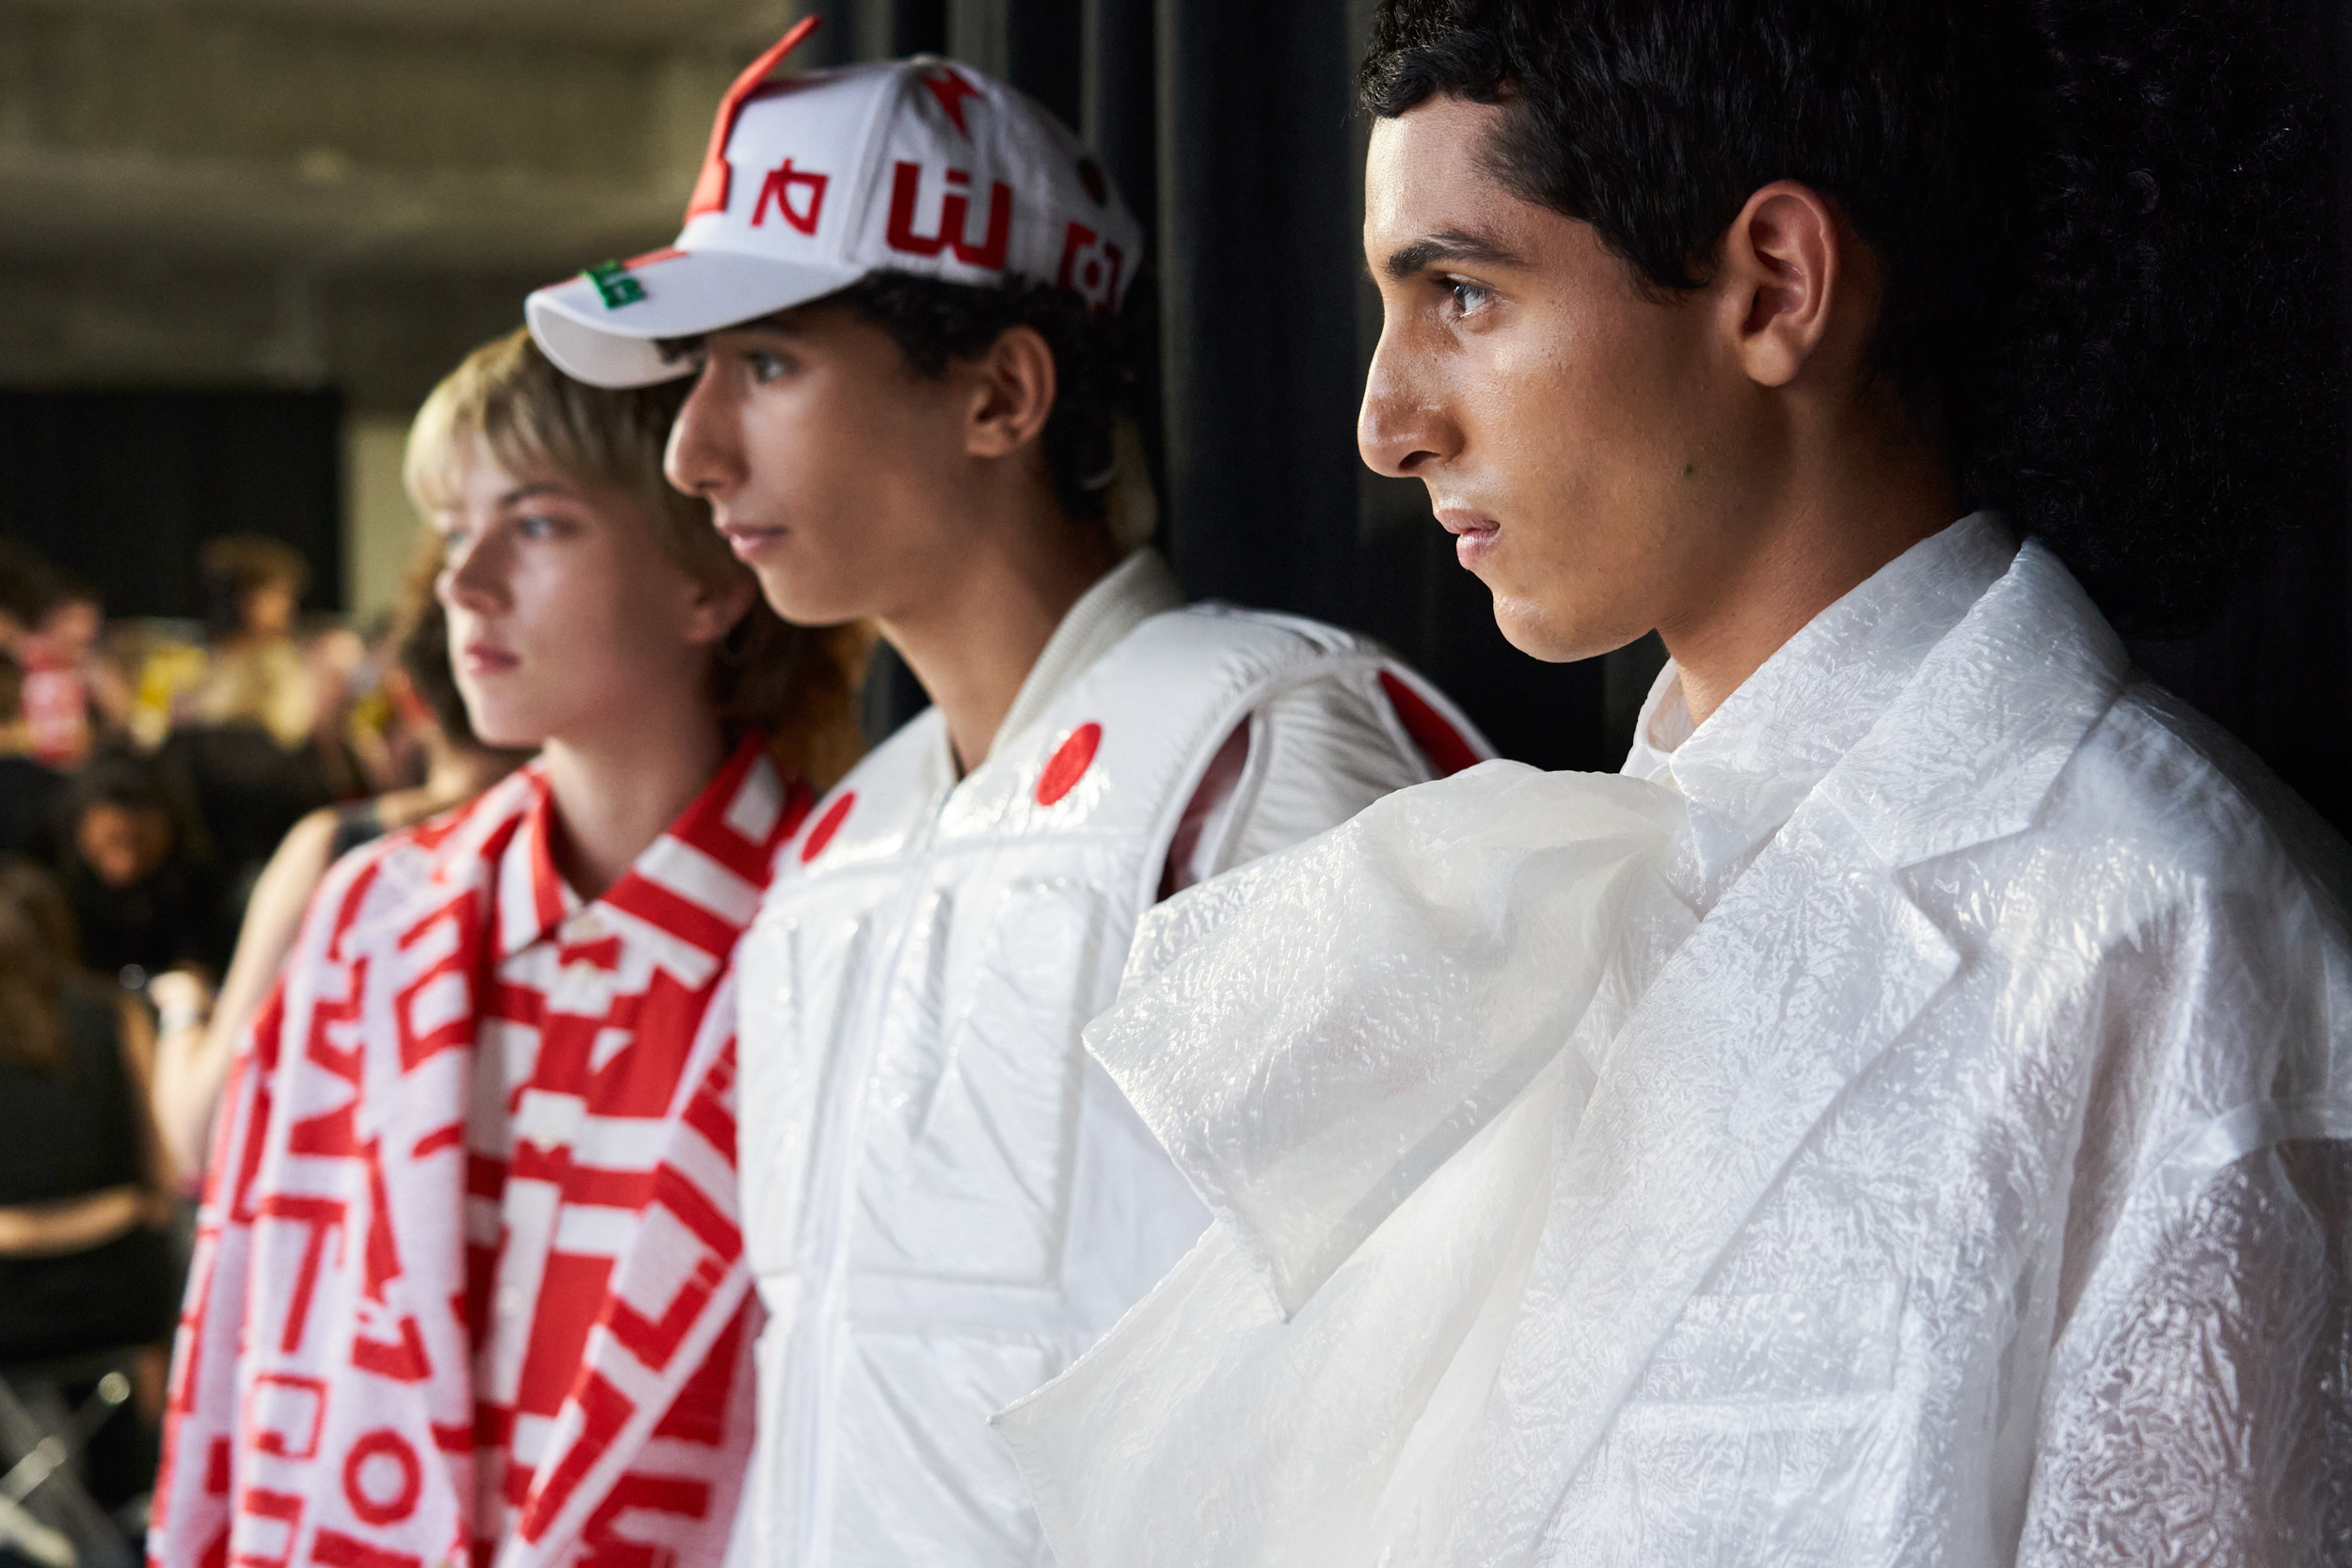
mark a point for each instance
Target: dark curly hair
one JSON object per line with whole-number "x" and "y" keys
{"x": 2106, "y": 227}
{"x": 934, "y": 321}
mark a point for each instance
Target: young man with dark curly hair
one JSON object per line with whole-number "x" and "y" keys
{"x": 1909, "y": 1119}
{"x": 898, "y": 289}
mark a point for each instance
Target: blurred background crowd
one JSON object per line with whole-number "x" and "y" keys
{"x": 153, "y": 767}
{"x": 170, "y": 794}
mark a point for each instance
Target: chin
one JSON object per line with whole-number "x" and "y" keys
{"x": 1542, "y": 632}
{"x": 794, "y": 600}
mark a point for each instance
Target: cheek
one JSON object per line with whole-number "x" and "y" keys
{"x": 593, "y": 627}
{"x": 860, "y": 481}
{"x": 1593, "y": 437}
{"x": 823, "y": 446}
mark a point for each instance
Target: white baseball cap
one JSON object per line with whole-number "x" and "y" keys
{"x": 920, "y": 166}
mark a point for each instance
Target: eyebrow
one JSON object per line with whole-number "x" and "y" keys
{"x": 527, "y": 492}
{"x": 1450, "y": 244}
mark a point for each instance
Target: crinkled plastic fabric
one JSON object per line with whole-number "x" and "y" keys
{"x": 1971, "y": 1184}
{"x": 1309, "y": 1073}
{"x": 1355, "y": 1051}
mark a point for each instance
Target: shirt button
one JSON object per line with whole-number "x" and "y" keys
{"x": 510, "y": 1302}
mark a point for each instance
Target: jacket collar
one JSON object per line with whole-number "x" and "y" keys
{"x": 1758, "y": 755}
{"x": 699, "y": 881}
{"x": 1129, "y": 595}
{"x": 1994, "y": 715}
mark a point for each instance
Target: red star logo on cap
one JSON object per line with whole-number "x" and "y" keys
{"x": 952, "y": 90}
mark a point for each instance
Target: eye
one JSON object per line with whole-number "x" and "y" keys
{"x": 767, "y": 366}
{"x": 1467, "y": 298}
{"x": 535, "y": 525}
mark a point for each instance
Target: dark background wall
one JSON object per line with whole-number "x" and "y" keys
{"x": 122, "y": 489}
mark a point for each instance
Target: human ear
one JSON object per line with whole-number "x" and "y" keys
{"x": 1014, "y": 395}
{"x": 716, "y": 606}
{"x": 1780, "y": 273}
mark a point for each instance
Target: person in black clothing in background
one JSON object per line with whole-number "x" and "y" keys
{"x": 86, "y": 1265}
{"x": 143, "y": 893}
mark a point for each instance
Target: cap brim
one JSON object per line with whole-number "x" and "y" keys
{"x": 682, "y": 294}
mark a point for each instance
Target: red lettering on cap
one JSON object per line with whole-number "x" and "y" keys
{"x": 949, "y": 87}
{"x": 1090, "y": 267}
{"x": 906, "y": 182}
{"x": 778, "y": 189}
{"x": 1068, "y": 764}
{"x": 1437, "y": 739}
{"x": 710, "y": 187}
{"x": 826, "y": 826}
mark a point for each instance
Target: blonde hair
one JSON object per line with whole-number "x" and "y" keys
{"x": 797, "y": 683}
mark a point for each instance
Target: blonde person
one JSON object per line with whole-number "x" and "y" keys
{"x": 468, "y": 1280}
{"x": 199, "y": 1032}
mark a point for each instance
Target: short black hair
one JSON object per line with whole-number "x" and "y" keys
{"x": 2105, "y": 226}
{"x": 118, "y": 774}
{"x": 934, "y": 321}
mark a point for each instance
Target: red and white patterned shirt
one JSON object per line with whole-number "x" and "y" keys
{"x": 469, "y": 1285}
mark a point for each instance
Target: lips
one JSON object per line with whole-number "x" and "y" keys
{"x": 486, "y": 659}
{"x": 747, "y": 542}
{"x": 1475, "y": 534}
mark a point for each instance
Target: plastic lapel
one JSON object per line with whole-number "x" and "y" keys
{"x": 1811, "y": 966}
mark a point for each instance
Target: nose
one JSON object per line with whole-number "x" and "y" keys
{"x": 1402, "y": 431}
{"x": 473, "y": 575}
{"x": 705, "y": 454}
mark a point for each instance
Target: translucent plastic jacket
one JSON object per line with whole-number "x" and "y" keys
{"x": 944, "y": 1200}
{"x": 1914, "y": 1130}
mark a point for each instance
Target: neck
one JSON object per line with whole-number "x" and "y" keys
{"x": 453, "y": 773}
{"x": 614, "y": 794}
{"x": 975, "y": 643}
{"x": 1819, "y": 536}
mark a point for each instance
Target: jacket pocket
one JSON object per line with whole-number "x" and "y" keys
{"x": 1758, "y": 1433}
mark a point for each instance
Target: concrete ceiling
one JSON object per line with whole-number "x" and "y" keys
{"x": 650, "y": 24}
{"x": 284, "y": 163}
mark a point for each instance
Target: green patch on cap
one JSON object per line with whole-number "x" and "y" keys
{"x": 614, "y": 284}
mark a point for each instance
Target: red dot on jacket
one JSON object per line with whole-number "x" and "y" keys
{"x": 1068, "y": 764}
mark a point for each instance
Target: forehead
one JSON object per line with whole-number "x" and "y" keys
{"x": 1427, "y": 173}
{"x": 474, "y": 477}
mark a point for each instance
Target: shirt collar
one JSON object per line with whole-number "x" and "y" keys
{"x": 1746, "y": 769}
{"x": 1127, "y": 595}
{"x": 700, "y": 881}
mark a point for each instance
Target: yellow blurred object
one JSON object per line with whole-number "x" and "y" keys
{"x": 167, "y": 669}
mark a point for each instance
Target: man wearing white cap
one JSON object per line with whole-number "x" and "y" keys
{"x": 899, "y": 286}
